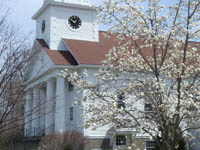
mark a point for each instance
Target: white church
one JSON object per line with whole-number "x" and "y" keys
{"x": 67, "y": 37}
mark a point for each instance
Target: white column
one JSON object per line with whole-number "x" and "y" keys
{"x": 28, "y": 113}
{"x": 60, "y": 105}
{"x": 42, "y": 107}
{"x": 36, "y": 111}
{"x": 50, "y": 106}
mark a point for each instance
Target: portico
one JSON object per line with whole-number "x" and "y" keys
{"x": 45, "y": 107}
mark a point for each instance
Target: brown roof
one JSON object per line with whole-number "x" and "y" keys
{"x": 87, "y": 52}
{"x": 81, "y": 52}
{"x": 58, "y": 57}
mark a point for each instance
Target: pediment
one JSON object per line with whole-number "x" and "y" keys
{"x": 39, "y": 63}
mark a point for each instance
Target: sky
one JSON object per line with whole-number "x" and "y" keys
{"x": 21, "y": 12}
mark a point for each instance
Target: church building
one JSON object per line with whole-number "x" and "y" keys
{"x": 67, "y": 37}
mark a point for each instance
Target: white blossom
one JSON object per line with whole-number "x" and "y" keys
{"x": 155, "y": 63}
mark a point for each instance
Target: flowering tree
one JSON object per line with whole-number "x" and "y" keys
{"x": 150, "y": 80}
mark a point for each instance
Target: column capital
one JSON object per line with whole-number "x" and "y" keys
{"x": 52, "y": 79}
{"x": 29, "y": 91}
{"x": 59, "y": 76}
{"x": 36, "y": 88}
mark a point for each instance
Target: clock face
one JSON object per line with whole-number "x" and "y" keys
{"x": 43, "y": 26}
{"x": 74, "y": 22}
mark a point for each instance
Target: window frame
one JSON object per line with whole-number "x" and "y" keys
{"x": 150, "y": 147}
{"x": 147, "y": 109}
{"x": 121, "y": 99}
{"x": 119, "y": 138}
{"x": 71, "y": 113}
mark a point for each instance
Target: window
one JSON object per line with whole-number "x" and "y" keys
{"x": 148, "y": 107}
{"x": 70, "y": 86}
{"x": 43, "y": 26}
{"x": 71, "y": 111}
{"x": 150, "y": 145}
{"x": 120, "y": 140}
{"x": 120, "y": 102}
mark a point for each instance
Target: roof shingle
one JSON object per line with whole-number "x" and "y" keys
{"x": 88, "y": 52}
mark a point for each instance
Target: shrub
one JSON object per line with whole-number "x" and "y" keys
{"x": 11, "y": 140}
{"x": 69, "y": 140}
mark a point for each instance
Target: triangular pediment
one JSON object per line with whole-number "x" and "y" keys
{"x": 39, "y": 63}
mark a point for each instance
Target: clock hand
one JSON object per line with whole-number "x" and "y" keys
{"x": 75, "y": 21}
{"x": 72, "y": 20}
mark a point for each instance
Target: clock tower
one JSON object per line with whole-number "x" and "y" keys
{"x": 66, "y": 19}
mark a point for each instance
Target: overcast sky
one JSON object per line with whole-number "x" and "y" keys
{"x": 22, "y": 11}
